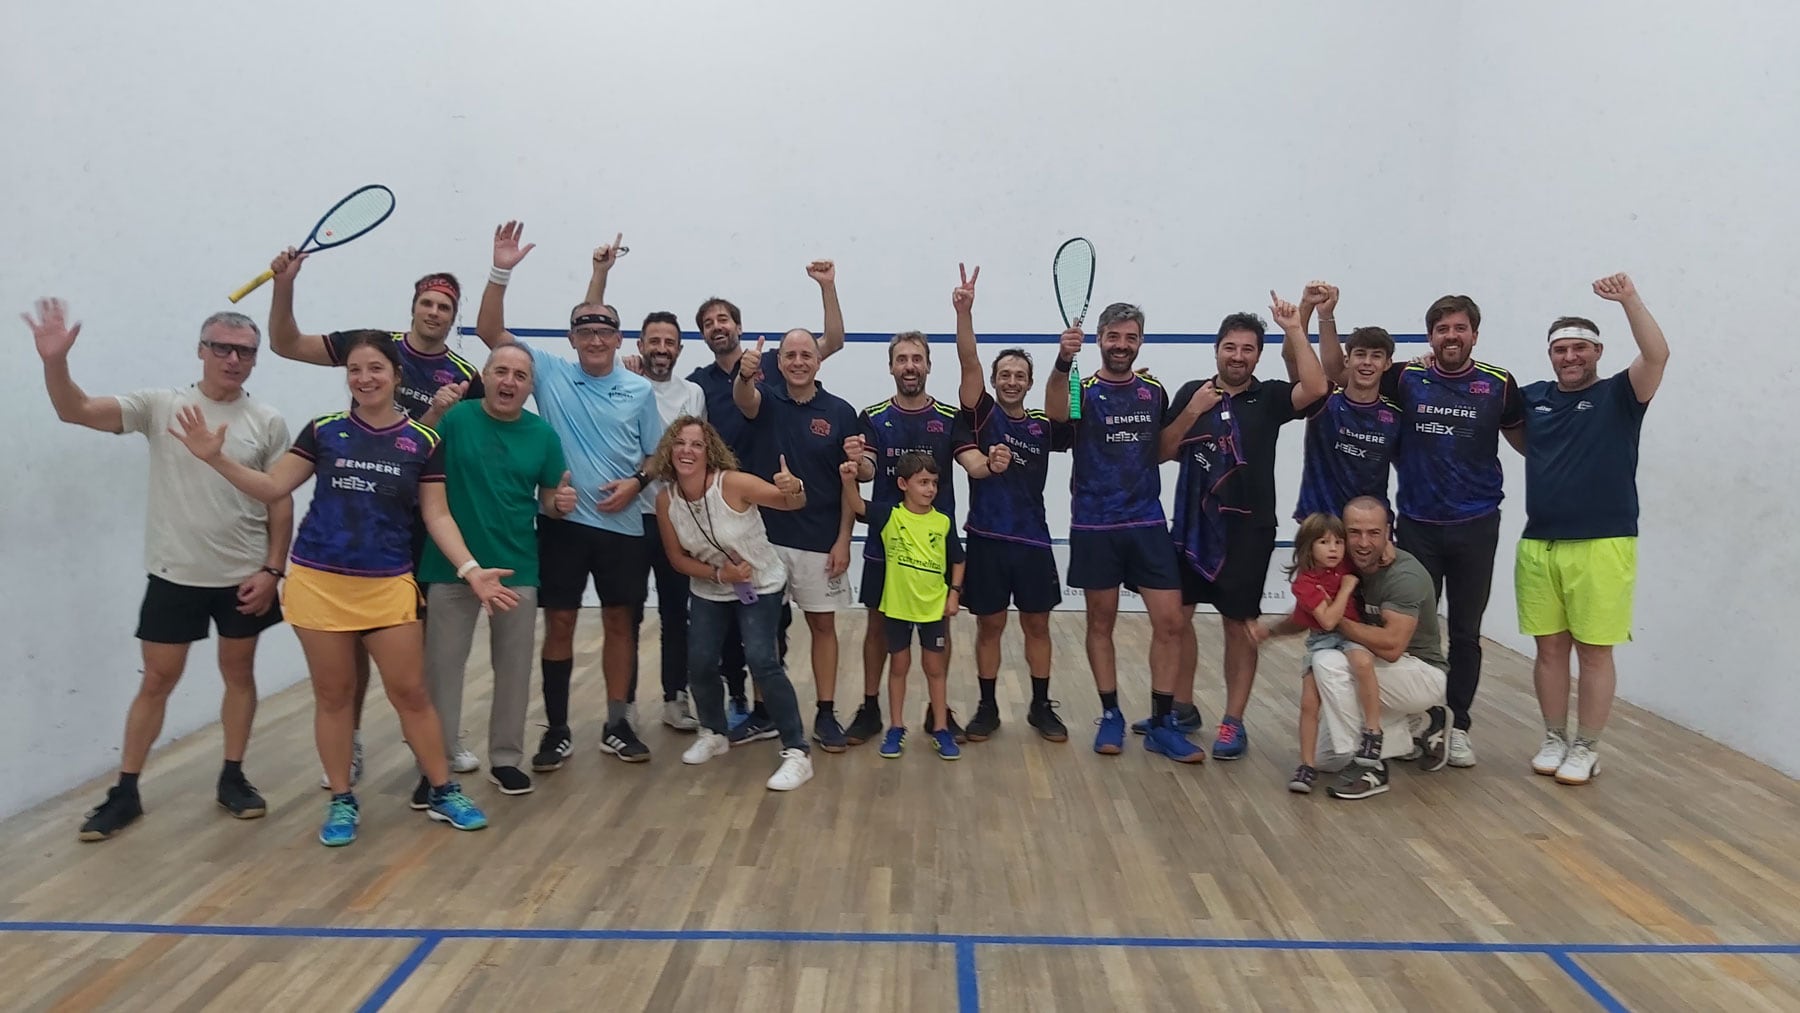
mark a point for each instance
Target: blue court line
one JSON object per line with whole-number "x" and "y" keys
{"x": 1594, "y": 989}
{"x": 882, "y": 337}
{"x": 396, "y": 978}
{"x": 968, "y": 980}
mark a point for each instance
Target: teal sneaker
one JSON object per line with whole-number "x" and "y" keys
{"x": 450, "y": 805}
{"x": 340, "y": 822}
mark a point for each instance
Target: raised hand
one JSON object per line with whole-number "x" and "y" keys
{"x": 1615, "y": 288}
{"x": 1286, "y": 314}
{"x": 855, "y": 447}
{"x": 785, "y": 480}
{"x": 751, "y": 371}
{"x": 206, "y": 444}
{"x": 493, "y": 595}
{"x": 507, "y": 251}
{"x": 962, "y": 297}
{"x": 564, "y": 500}
{"x": 448, "y": 395}
{"x": 608, "y": 255}
{"x": 53, "y": 336}
{"x": 847, "y": 471}
{"x": 286, "y": 265}
{"x": 1321, "y": 295}
{"x": 822, "y": 271}
{"x": 1070, "y": 344}
{"x": 634, "y": 364}
{"x": 999, "y": 458}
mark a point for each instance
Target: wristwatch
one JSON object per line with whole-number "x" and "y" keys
{"x": 271, "y": 571}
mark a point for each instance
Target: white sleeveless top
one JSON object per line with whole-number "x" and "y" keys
{"x": 709, "y": 527}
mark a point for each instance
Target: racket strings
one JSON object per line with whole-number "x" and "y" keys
{"x": 354, "y": 217}
{"x": 1074, "y": 274}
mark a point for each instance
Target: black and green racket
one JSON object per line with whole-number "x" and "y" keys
{"x": 1073, "y": 272}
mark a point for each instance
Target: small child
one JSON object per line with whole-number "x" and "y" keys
{"x": 921, "y": 549}
{"x": 1324, "y": 585}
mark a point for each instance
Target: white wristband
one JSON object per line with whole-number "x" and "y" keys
{"x": 499, "y": 276}
{"x": 463, "y": 570}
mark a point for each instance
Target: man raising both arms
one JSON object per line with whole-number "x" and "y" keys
{"x": 1009, "y": 555}
{"x": 1577, "y": 560}
{"x": 1118, "y": 533}
{"x": 214, "y": 555}
{"x": 606, "y": 418}
{"x": 1351, "y": 436}
{"x": 432, "y": 379}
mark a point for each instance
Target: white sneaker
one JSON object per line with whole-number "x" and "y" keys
{"x": 356, "y": 764}
{"x": 679, "y": 713}
{"x": 708, "y": 745}
{"x": 1550, "y": 754}
{"x": 1579, "y": 766}
{"x": 464, "y": 762}
{"x": 795, "y": 770}
{"x": 1462, "y": 754}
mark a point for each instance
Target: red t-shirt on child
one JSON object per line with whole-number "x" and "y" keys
{"x": 1313, "y": 588}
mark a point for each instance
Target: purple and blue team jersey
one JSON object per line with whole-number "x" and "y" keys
{"x": 1449, "y": 459}
{"x": 1010, "y": 506}
{"x": 421, "y": 375}
{"x": 365, "y": 494}
{"x": 890, "y": 430}
{"x": 1117, "y": 482}
{"x": 1348, "y": 448}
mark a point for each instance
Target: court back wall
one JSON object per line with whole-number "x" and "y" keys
{"x": 160, "y": 157}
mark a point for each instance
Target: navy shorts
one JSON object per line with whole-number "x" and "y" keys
{"x": 999, "y": 573}
{"x": 1138, "y": 558}
{"x": 1237, "y": 592}
{"x": 934, "y": 636}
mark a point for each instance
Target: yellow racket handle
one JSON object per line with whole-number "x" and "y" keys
{"x": 252, "y": 285}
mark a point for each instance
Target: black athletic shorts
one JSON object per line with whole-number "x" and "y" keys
{"x": 999, "y": 573}
{"x": 934, "y": 636}
{"x": 569, "y": 553}
{"x": 1238, "y": 590}
{"x": 179, "y": 614}
{"x": 1136, "y": 558}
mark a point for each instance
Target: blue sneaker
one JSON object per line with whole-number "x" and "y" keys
{"x": 1166, "y": 738}
{"x": 1187, "y": 720}
{"x": 894, "y": 743}
{"x": 1110, "y": 739}
{"x": 753, "y": 729}
{"x": 450, "y": 805}
{"x": 340, "y": 822}
{"x": 1232, "y": 741}
{"x": 737, "y": 711}
{"x": 945, "y": 740}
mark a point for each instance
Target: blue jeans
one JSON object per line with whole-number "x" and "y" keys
{"x": 708, "y": 623}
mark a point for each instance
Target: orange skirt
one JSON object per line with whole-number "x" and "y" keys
{"x": 338, "y": 603}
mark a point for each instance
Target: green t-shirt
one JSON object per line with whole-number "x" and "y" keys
{"x": 1405, "y": 588}
{"x": 920, "y": 552}
{"x": 492, "y": 473}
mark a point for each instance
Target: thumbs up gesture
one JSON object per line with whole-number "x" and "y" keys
{"x": 448, "y": 395}
{"x": 751, "y": 371}
{"x": 789, "y": 484}
{"x": 563, "y": 500}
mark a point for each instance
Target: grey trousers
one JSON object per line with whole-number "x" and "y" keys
{"x": 512, "y": 637}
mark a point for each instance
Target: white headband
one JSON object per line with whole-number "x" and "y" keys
{"x": 1574, "y": 332}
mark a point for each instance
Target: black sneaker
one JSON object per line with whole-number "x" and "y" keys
{"x": 620, "y": 741}
{"x": 956, "y": 730}
{"x": 754, "y": 728}
{"x": 1042, "y": 716}
{"x": 240, "y": 798}
{"x": 986, "y": 723}
{"x": 828, "y": 733}
{"x": 865, "y": 726}
{"x": 553, "y": 749}
{"x": 1302, "y": 781}
{"x": 510, "y": 780}
{"x": 1361, "y": 782}
{"x": 119, "y": 811}
{"x": 1435, "y": 743}
{"x": 1368, "y": 751}
{"x": 421, "y": 796}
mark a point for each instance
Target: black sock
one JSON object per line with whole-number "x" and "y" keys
{"x": 557, "y": 675}
{"x": 128, "y": 783}
{"x": 759, "y": 711}
{"x": 1109, "y": 701}
{"x": 824, "y": 706}
{"x": 234, "y": 769}
{"x": 1040, "y": 689}
{"x": 987, "y": 690}
{"x": 1160, "y": 705}
{"x": 872, "y": 704}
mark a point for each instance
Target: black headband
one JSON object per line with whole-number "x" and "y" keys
{"x": 594, "y": 318}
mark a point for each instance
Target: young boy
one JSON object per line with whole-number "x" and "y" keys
{"x": 915, "y": 593}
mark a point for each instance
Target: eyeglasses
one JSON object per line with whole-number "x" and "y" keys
{"x": 225, "y": 350}
{"x": 593, "y": 333}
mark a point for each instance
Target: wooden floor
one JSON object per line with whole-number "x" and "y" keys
{"x": 1027, "y": 876}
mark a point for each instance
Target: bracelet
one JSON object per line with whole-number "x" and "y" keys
{"x": 957, "y": 588}
{"x": 1327, "y": 320}
{"x": 463, "y": 570}
{"x": 271, "y": 571}
{"x": 499, "y": 276}
{"x": 718, "y": 575}
{"x": 1064, "y": 365}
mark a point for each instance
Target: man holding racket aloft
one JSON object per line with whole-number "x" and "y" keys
{"x": 432, "y": 379}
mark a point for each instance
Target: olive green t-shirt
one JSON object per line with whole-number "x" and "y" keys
{"x": 1405, "y": 588}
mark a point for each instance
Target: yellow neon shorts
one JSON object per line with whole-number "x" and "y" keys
{"x": 1582, "y": 587}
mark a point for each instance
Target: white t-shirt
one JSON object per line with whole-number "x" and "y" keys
{"x": 675, "y": 397}
{"x": 199, "y": 530}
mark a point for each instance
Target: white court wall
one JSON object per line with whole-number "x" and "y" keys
{"x": 162, "y": 154}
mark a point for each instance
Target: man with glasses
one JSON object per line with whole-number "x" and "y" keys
{"x": 607, "y": 419}
{"x": 214, "y": 555}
